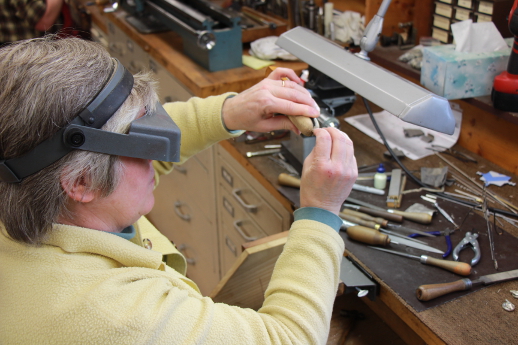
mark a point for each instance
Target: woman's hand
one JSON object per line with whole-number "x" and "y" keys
{"x": 329, "y": 171}
{"x": 254, "y": 108}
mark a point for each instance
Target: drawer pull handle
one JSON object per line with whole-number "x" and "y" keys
{"x": 178, "y": 211}
{"x": 180, "y": 169}
{"x": 190, "y": 261}
{"x": 230, "y": 245}
{"x": 248, "y": 208}
{"x": 237, "y": 226}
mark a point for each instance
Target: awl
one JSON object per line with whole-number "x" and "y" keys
{"x": 460, "y": 268}
{"x": 431, "y": 291}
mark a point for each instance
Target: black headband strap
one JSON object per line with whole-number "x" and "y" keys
{"x": 95, "y": 115}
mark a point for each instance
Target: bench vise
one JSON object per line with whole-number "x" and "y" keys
{"x": 211, "y": 35}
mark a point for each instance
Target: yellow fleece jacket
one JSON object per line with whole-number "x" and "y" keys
{"x": 84, "y": 286}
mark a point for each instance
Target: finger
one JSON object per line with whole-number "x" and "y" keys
{"x": 293, "y": 102}
{"x": 280, "y": 72}
{"x": 342, "y": 146}
{"x": 323, "y": 144}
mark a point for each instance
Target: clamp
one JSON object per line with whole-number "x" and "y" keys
{"x": 469, "y": 239}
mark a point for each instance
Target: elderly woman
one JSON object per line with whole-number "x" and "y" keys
{"x": 70, "y": 269}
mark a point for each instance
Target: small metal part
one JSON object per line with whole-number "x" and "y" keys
{"x": 412, "y": 133}
{"x": 427, "y": 138}
{"x": 362, "y": 293}
{"x": 263, "y": 153}
{"x": 397, "y": 184}
{"x": 508, "y": 306}
{"x": 514, "y": 293}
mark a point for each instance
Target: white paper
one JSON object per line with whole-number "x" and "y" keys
{"x": 481, "y": 37}
{"x": 393, "y": 128}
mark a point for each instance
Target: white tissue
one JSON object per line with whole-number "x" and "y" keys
{"x": 477, "y": 37}
{"x": 266, "y": 49}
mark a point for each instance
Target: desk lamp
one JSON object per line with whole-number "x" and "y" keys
{"x": 406, "y": 100}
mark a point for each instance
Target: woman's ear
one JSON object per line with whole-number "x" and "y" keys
{"x": 78, "y": 190}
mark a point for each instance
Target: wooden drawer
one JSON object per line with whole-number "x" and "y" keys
{"x": 236, "y": 228}
{"x": 178, "y": 216}
{"x": 195, "y": 181}
{"x": 248, "y": 199}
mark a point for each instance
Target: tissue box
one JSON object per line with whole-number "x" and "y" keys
{"x": 455, "y": 75}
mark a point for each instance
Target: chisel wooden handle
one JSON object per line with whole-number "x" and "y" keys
{"x": 387, "y": 215}
{"x": 357, "y": 220}
{"x": 419, "y": 217}
{"x": 431, "y": 291}
{"x": 288, "y": 180}
{"x": 377, "y": 220}
{"x": 303, "y": 123}
{"x": 366, "y": 235}
{"x": 460, "y": 268}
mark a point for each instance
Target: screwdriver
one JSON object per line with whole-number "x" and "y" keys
{"x": 460, "y": 268}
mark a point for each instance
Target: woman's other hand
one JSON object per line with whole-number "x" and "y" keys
{"x": 329, "y": 171}
{"x": 255, "y": 108}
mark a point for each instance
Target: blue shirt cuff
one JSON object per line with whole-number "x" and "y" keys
{"x": 319, "y": 215}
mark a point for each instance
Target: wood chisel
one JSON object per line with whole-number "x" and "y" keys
{"x": 377, "y": 222}
{"x": 378, "y": 212}
{"x": 460, "y": 268}
{"x": 419, "y": 217}
{"x": 374, "y": 237}
{"x": 431, "y": 291}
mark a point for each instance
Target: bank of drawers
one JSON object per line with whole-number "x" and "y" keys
{"x": 246, "y": 211}
{"x": 185, "y": 213}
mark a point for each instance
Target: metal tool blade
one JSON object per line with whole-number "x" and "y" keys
{"x": 362, "y": 203}
{"x": 407, "y": 230}
{"x": 406, "y": 242}
{"x": 401, "y": 236}
{"x": 397, "y": 253}
{"x": 498, "y": 277}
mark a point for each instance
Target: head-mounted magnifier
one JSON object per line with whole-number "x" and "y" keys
{"x": 154, "y": 136}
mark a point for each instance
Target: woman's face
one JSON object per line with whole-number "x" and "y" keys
{"x": 133, "y": 196}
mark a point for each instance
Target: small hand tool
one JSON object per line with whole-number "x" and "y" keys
{"x": 376, "y": 222}
{"x": 460, "y": 268}
{"x": 419, "y": 217}
{"x": 373, "y": 212}
{"x": 263, "y": 153}
{"x": 397, "y": 227}
{"x": 431, "y": 291}
{"x": 374, "y": 237}
{"x": 468, "y": 240}
{"x": 446, "y": 233}
{"x": 441, "y": 210}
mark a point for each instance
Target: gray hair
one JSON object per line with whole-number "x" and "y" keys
{"x": 45, "y": 83}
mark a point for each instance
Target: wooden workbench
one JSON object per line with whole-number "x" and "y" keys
{"x": 473, "y": 318}
{"x": 476, "y": 317}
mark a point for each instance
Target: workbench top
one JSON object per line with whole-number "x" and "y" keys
{"x": 461, "y": 318}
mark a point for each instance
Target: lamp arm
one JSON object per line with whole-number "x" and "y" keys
{"x": 372, "y": 31}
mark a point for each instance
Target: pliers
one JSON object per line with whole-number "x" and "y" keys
{"x": 446, "y": 233}
{"x": 469, "y": 239}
